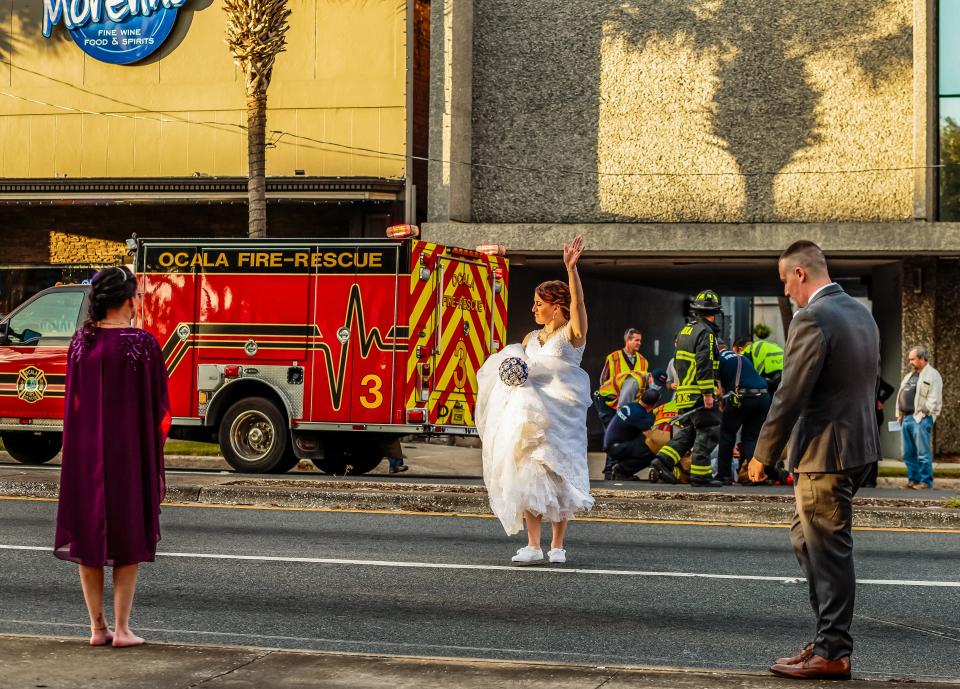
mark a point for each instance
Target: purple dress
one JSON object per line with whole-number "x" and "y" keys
{"x": 115, "y": 419}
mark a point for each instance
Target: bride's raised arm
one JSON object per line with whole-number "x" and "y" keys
{"x": 578, "y": 310}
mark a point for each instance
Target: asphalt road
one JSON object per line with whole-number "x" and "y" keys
{"x": 442, "y": 586}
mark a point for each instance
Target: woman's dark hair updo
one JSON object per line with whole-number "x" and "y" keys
{"x": 555, "y": 292}
{"x": 110, "y": 288}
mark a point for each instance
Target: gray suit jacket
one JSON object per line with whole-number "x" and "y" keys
{"x": 825, "y": 405}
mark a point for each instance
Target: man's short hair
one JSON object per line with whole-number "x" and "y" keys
{"x": 807, "y": 255}
{"x": 921, "y": 351}
{"x": 630, "y": 332}
{"x": 741, "y": 342}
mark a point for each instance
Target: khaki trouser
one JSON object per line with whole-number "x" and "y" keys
{"x": 823, "y": 543}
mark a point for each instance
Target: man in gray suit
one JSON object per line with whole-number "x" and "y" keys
{"x": 825, "y": 408}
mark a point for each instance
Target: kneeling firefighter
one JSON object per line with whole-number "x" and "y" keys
{"x": 697, "y": 361}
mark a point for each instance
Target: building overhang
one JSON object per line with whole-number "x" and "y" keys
{"x": 620, "y": 241}
{"x": 195, "y": 189}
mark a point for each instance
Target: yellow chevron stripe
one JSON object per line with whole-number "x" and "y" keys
{"x": 416, "y": 311}
{"x": 474, "y": 340}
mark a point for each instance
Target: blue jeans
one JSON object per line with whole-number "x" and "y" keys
{"x": 917, "y": 452}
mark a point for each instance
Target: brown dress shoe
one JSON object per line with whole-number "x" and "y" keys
{"x": 815, "y": 667}
{"x": 804, "y": 653}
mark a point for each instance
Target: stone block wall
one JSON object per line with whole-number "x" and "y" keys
{"x": 931, "y": 317}
{"x": 723, "y": 111}
{"x": 66, "y": 248}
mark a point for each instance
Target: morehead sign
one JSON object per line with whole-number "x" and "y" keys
{"x": 120, "y": 32}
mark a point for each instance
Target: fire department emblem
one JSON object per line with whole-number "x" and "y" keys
{"x": 31, "y": 384}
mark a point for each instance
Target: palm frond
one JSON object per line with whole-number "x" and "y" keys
{"x": 256, "y": 34}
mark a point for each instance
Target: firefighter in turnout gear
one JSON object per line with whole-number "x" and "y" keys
{"x": 697, "y": 361}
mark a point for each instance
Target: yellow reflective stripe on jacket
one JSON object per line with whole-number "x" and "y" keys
{"x": 671, "y": 453}
{"x": 701, "y": 470}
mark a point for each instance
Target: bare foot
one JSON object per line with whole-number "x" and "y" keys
{"x": 101, "y": 637}
{"x": 125, "y": 639}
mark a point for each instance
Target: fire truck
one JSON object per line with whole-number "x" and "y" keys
{"x": 282, "y": 349}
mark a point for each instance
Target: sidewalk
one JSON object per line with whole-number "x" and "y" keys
{"x": 68, "y": 663}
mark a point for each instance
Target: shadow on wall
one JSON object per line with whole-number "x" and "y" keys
{"x": 695, "y": 110}
{"x": 21, "y": 24}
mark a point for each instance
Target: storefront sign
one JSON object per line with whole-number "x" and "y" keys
{"x": 116, "y": 31}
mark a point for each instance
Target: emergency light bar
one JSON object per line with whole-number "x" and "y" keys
{"x": 492, "y": 249}
{"x": 403, "y": 231}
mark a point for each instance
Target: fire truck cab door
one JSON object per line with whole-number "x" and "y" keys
{"x": 464, "y": 336}
{"x": 33, "y": 353}
{"x": 168, "y": 312}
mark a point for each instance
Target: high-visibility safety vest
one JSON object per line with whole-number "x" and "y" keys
{"x": 697, "y": 361}
{"x": 618, "y": 369}
{"x": 766, "y": 357}
{"x": 663, "y": 414}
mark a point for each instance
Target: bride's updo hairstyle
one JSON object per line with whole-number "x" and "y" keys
{"x": 555, "y": 292}
{"x": 110, "y": 288}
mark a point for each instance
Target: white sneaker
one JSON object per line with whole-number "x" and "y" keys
{"x": 528, "y": 556}
{"x": 557, "y": 555}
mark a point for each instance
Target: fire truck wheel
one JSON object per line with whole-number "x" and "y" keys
{"x": 289, "y": 461}
{"x": 30, "y": 447}
{"x": 349, "y": 456}
{"x": 253, "y": 436}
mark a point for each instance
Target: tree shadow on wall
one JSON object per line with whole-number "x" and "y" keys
{"x": 764, "y": 109}
{"x": 28, "y": 15}
{"x": 538, "y": 91}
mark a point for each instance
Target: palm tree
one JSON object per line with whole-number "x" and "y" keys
{"x": 256, "y": 34}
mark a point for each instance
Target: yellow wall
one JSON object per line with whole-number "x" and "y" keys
{"x": 341, "y": 81}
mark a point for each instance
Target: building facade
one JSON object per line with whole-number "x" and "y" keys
{"x": 96, "y": 149}
{"x": 691, "y": 142}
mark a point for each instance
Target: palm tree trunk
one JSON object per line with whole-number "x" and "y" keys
{"x": 256, "y": 160}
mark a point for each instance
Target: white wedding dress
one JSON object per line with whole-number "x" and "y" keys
{"x": 535, "y": 435}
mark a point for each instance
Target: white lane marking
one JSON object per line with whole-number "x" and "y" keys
{"x": 508, "y": 568}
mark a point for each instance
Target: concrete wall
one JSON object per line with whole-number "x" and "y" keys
{"x": 727, "y": 111}
{"x": 341, "y": 82}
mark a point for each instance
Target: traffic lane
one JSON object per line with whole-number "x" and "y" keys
{"x": 471, "y": 540}
{"x": 525, "y": 613}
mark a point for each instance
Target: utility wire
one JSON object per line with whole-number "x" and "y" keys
{"x": 278, "y": 134}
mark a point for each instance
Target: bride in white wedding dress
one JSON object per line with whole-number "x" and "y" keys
{"x": 535, "y": 434}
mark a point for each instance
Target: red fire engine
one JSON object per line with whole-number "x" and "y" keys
{"x": 282, "y": 349}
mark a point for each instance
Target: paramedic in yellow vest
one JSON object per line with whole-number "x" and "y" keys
{"x": 767, "y": 359}
{"x": 624, "y": 376}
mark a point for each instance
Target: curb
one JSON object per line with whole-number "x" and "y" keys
{"x": 725, "y": 508}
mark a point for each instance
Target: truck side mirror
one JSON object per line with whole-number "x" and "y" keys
{"x": 30, "y": 337}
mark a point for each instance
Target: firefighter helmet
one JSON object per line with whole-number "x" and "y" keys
{"x": 707, "y": 301}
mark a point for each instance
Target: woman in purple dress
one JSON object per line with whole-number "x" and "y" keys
{"x": 116, "y": 415}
